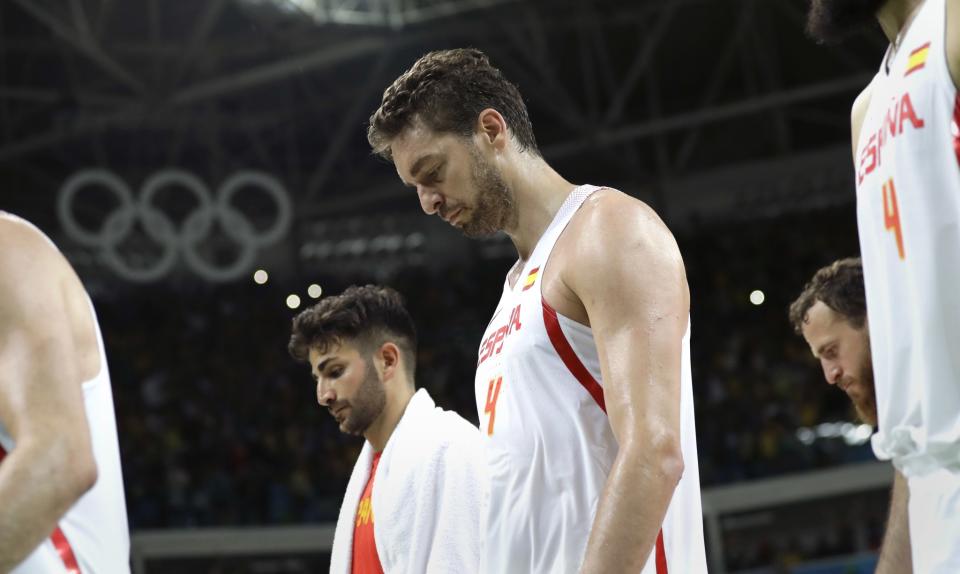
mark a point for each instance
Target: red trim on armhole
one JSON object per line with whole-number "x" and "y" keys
{"x": 580, "y": 372}
{"x": 60, "y": 541}
{"x": 955, "y": 127}
{"x": 661, "y": 554}
{"x": 569, "y": 356}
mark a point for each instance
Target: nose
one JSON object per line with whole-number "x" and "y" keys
{"x": 430, "y": 200}
{"x": 832, "y": 372}
{"x": 325, "y": 394}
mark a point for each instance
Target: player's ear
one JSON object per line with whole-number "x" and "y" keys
{"x": 388, "y": 360}
{"x": 492, "y": 129}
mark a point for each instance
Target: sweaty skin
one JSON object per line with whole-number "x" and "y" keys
{"x": 48, "y": 347}
{"x": 638, "y": 311}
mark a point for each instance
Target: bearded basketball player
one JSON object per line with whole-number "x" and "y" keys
{"x": 583, "y": 381}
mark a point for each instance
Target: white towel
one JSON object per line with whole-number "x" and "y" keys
{"x": 429, "y": 496}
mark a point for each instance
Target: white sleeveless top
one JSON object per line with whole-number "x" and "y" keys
{"x": 908, "y": 214}
{"x": 92, "y": 537}
{"x": 548, "y": 441}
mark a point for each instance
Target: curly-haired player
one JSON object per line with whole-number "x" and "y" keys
{"x": 583, "y": 381}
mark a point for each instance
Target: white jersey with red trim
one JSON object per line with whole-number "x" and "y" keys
{"x": 548, "y": 442}
{"x": 908, "y": 213}
{"x": 92, "y": 537}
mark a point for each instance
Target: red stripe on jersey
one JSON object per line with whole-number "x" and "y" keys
{"x": 569, "y": 356}
{"x": 955, "y": 127}
{"x": 661, "y": 554}
{"x": 62, "y": 545}
{"x": 920, "y": 49}
{"x": 59, "y": 541}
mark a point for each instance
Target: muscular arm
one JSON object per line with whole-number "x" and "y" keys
{"x": 630, "y": 278}
{"x": 41, "y": 405}
{"x": 895, "y": 555}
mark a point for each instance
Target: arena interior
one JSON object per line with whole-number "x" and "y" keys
{"x": 722, "y": 115}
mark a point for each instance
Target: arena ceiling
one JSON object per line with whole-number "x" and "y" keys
{"x": 658, "y": 97}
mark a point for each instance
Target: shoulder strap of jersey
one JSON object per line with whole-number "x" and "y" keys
{"x": 559, "y": 223}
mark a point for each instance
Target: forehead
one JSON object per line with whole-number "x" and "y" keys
{"x": 821, "y": 319}
{"x": 418, "y": 142}
{"x": 824, "y": 323}
{"x": 343, "y": 350}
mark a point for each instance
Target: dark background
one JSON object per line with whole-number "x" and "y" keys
{"x": 719, "y": 113}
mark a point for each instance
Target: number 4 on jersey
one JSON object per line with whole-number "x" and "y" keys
{"x": 493, "y": 392}
{"x": 891, "y": 214}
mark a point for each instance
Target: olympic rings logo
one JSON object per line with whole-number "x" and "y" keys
{"x": 175, "y": 242}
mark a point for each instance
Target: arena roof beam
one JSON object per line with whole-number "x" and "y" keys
{"x": 197, "y": 39}
{"x": 432, "y": 11}
{"x": 106, "y": 7}
{"x": 721, "y": 72}
{"x": 80, "y": 126}
{"x": 80, "y": 21}
{"x": 528, "y": 32}
{"x": 640, "y": 63}
{"x": 325, "y": 57}
{"x": 763, "y": 50}
{"x": 395, "y": 14}
{"x": 643, "y": 130}
{"x": 86, "y": 46}
{"x": 350, "y": 124}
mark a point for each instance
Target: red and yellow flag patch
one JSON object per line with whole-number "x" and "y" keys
{"x": 531, "y": 278}
{"x": 917, "y": 59}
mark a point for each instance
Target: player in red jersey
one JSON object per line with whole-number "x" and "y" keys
{"x": 414, "y": 501}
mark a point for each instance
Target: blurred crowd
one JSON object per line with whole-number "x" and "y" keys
{"x": 219, "y": 426}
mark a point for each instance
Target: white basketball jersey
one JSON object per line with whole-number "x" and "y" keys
{"x": 549, "y": 444}
{"x": 908, "y": 214}
{"x": 92, "y": 537}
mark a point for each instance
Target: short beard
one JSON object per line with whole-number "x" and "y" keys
{"x": 368, "y": 404}
{"x": 494, "y": 209}
{"x": 831, "y": 21}
{"x": 867, "y": 405}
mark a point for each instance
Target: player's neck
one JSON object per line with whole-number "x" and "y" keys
{"x": 895, "y": 17}
{"x": 539, "y": 191}
{"x": 379, "y": 432}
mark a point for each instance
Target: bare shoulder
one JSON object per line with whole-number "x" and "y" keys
{"x": 857, "y": 115}
{"x": 30, "y": 266}
{"x": 611, "y": 219}
{"x": 617, "y": 248}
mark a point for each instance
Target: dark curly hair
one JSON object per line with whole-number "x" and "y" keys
{"x": 367, "y": 316}
{"x": 840, "y": 287}
{"x": 447, "y": 90}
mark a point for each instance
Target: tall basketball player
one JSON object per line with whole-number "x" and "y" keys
{"x": 61, "y": 489}
{"x": 906, "y": 147}
{"x": 583, "y": 381}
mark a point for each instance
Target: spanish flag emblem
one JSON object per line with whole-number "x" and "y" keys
{"x": 917, "y": 59}
{"x": 531, "y": 278}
